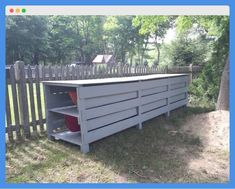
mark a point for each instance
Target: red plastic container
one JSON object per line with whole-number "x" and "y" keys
{"x": 73, "y": 96}
{"x": 72, "y": 123}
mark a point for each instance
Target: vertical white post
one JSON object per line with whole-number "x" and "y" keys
{"x": 83, "y": 122}
{"x": 168, "y": 96}
{"x": 139, "y": 107}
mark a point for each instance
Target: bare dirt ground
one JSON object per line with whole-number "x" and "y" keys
{"x": 213, "y": 131}
{"x": 190, "y": 146}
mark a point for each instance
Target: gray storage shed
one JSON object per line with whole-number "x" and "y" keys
{"x": 110, "y": 105}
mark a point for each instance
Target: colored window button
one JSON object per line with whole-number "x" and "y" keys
{"x": 17, "y": 10}
{"x": 11, "y": 10}
{"x": 23, "y": 10}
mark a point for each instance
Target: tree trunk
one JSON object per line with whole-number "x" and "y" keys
{"x": 35, "y": 58}
{"x": 223, "y": 98}
{"x": 158, "y": 54}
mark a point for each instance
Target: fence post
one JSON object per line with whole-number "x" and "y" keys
{"x": 166, "y": 69}
{"x": 190, "y": 73}
{"x": 23, "y": 103}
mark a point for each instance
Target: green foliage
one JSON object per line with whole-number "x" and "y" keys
{"x": 206, "y": 86}
{"x": 201, "y": 40}
{"x": 120, "y": 37}
{"x": 26, "y": 38}
{"x": 152, "y": 24}
{"x": 185, "y": 50}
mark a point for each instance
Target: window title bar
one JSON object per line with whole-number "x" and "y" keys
{"x": 117, "y": 10}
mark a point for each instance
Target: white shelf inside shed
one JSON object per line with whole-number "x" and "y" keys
{"x": 68, "y": 136}
{"x": 66, "y": 110}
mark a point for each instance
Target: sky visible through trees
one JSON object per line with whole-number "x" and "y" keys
{"x": 61, "y": 40}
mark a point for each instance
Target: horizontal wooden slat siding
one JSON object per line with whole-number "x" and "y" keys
{"x": 111, "y": 108}
{"x": 154, "y": 97}
{"x": 153, "y": 90}
{"x": 57, "y": 89}
{"x": 177, "y": 97}
{"x": 94, "y": 102}
{"x": 103, "y": 90}
{"x": 154, "y": 113}
{"x": 30, "y": 124}
{"x": 180, "y": 79}
{"x": 111, "y": 129}
{"x": 153, "y": 105}
{"x": 178, "y": 85}
{"x": 178, "y": 104}
{"x": 177, "y": 91}
{"x": 153, "y": 83}
{"x": 111, "y": 118}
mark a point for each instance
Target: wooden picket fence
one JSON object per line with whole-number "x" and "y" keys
{"x": 25, "y": 109}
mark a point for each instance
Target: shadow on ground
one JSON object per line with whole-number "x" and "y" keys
{"x": 159, "y": 152}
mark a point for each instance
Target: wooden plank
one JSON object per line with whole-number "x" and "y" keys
{"x": 154, "y": 97}
{"x": 180, "y": 79}
{"x": 104, "y": 100}
{"x": 15, "y": 103}
{"x": 154, "y": 113}
{"x": 66, "y": 110}
{"x": 30, "y": 124}
{"x": 111, "y": 129}
{"x": 61, "y": 89}
{"x": 139, "y": 108}
{"x": 117, "y": 80}
{"x": 178, "y": 104}
{"x": 31, "y": 99}
{"x": 110, "y": 89}
{"x": 38, "y": 95}
{"x": 178, "y": 85}
{"x": 111, "y": 108}
{"x": 153, "y": 105}
{"x": 23, "y": 101}
{"x": 177, "y": 91}
{"x": 71, "y": 137}
{"x": 154, "y": 83}
{"x": 56, "y": 72}
{"x": 53, "y": 121}
{"x": 111, "y": 118}
{"x": 8, "y": 117}
{"x": 177, "y": 97}
{"x": 83, "y": 123}
{"x": 67, "y": 73}
{"x": 154, "y": 90}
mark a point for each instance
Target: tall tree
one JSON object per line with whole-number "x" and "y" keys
{"x": 26, "y": 38}
{"x": 216, "y": 27}
{"x": 120, "y": 36}
{"x": 155, "y": 26}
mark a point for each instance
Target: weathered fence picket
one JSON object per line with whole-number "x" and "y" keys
{"x": 24, "y": 101}
{"x": 31, "y": 99}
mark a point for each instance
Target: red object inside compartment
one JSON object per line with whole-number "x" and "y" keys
{"x": 73, "y": 96}
{"x": 72, "y": 123}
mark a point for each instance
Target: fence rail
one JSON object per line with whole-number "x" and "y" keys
{"x": 25, "y": 109}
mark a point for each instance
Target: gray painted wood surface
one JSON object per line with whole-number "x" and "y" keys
{"x": 58, "y": 72}
{"x": 111, "y": 107}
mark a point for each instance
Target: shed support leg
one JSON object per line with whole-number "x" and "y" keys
{"x": 168, "y": 114}
{"x": 139, "y": 126}
{"x": 85, "y": 148}
{"x": 51, "y": 138}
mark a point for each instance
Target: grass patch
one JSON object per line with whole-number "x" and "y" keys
{"x": 157, "y": 154}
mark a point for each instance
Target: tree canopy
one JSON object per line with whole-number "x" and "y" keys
{"x": 200, "y": 40}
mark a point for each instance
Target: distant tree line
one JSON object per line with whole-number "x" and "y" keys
{"x": 63, "y": 39}
{"x": 201, "y": 40}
